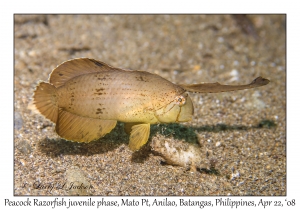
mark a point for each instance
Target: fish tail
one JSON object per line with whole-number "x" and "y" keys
{"x": 45, "y": 101}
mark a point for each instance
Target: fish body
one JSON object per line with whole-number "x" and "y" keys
{"x": 86, "y": 98}
{"x": 125, "y": 96}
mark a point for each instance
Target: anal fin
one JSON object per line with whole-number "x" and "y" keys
{"x": 139, "y": 136}
{"x": 82, "y": 129}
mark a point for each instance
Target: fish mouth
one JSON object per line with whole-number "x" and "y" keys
{"x": 174, "y": 112}
{"x": 177, "y": 118}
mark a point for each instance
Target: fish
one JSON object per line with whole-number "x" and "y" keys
{"x": 85, "y": 98}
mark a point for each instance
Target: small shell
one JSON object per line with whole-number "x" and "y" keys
{"x": 180, "y": 153}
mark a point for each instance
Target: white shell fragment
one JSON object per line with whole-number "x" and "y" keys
{"x": 180, "y": 153}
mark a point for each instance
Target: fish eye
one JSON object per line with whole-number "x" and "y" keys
{"x": 180, "y": 100}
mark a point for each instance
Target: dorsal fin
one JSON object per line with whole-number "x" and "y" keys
{"x": 75, "y": 67}
{"x": 217, "y": 87}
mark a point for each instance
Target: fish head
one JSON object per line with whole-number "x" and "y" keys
{"x": 180, "y": 109}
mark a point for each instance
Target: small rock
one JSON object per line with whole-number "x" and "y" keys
{"x": 180, "y": 153}
{"x": 18, "y": 123}
{"x": 235, "y": 175}
{"x": 23, "y": 162}
{"x": 77, "y": 183}
{"x": 24, "y": 147}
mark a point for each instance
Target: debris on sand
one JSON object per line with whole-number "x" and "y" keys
{"x": 176, "y": 152}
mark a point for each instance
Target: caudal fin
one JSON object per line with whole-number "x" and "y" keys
{"x": 45, "y": 101}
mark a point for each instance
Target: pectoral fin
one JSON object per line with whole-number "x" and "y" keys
{"x": 139, "y": 136}
{"x": 82, "y": 129}
{"x": 217, "y": 87}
